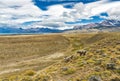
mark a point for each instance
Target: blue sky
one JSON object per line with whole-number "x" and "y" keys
{"x": 43, "y": 4}
{"x": 56, "y": 14}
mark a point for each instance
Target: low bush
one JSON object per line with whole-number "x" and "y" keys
{"x": 68, "y": 71}
{"x": 29, "y": 73}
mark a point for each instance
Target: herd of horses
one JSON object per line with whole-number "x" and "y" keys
{"x": 79, "y": 52}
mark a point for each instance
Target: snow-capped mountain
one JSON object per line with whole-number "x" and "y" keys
{"x": 103, "y": 24}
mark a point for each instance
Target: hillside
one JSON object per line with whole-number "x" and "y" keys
{"x": 89, "y": 57}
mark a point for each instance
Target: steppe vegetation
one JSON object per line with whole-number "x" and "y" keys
{"x": 30, "y": 52}
{"x": 87, "y": 57}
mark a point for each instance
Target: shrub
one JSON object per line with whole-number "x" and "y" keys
{"x": 110, "y": 66}
{"x": 106, "y": 73}
{"x": 5, "y": 79}
{"x": 95, "y": 78}
{"x": 68, "y": 71}
{"x": 42, "y": 77}
{"x": 118, "y": 71}
{"x": 14, "y": 78}
{"x": 84, "y": 80}
{"x": 115, "y": 79}
{"x": 29, "y": 73}
{"x": 97, "y": 68}
{"x": 80, "y": 64}
{"x": 26, "y": 79}
{"x": 98, "y": 62}
{"x": 90, "y": 61}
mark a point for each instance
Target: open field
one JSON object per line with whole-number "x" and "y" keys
{"x": 40, "y": 57}
{"x": 30, "y": 51}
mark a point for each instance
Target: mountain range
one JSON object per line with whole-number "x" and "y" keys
{"x": 30, "y": 30}
{"x": 113, "y": 25}
{"x": 106, "y": 24}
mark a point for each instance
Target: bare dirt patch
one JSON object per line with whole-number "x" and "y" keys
{"x": 23, "y": 64}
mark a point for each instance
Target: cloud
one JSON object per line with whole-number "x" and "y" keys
{"x": 85, "y": 11}
{"x": 114, "y": 13}
{"x": 18, "y": 11}
{"x": 15, "y": 13}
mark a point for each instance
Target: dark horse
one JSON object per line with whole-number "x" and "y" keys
{"x": 82, "y": 52}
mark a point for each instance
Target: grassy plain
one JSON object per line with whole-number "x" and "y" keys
{"x": 30, "y": 51}
{"x": 103, "y": 49}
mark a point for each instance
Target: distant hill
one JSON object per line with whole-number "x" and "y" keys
{"x": 30, "y": 30}
{"x": 106, "y": 24}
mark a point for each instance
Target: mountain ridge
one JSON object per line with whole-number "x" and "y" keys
{"x": 104, "y": 24}
{"x": 30, "y": 30}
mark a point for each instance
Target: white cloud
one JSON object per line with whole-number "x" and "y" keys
{"x": 17, "y": 12}
{"x": 20, "y": 11}
{"x": 56, "y": 10}
{"x": 114, "y": 13}
{"x": 85, "y": 11}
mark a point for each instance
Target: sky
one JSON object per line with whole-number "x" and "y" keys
{"x": 56, "y": 14}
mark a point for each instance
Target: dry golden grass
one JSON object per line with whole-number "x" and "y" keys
{"x": 30, "y": 51}
{"x": 101, "y": 47}
{"x": 25, "y": 46}
{"x": 93, "y": 63}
